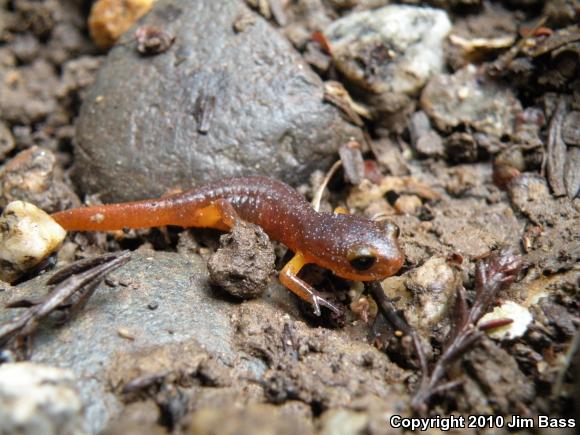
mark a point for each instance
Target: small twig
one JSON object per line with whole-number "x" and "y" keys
{"x": 459, "y": 314}
{"x": 337, "y": 95}
{"x": 141, "y": 383}
{"x": 505, "y": 59}
{"x": 204, "y": 109}
{"x": 447, "y": 386}
{"x": 79, "y": 299}
{"x": 84, "y": 274}
{"x": 207, "y": 99}
{"x": 318, "y": 195}
{"x": 491, "y": 274}
{"x": 386, "y": 306}
{"x": 81, "y": 266}
{"x": 495, "y": 323}
{"x": 278, "y": 12}
{"x": 389, "y": 311}
{"x": 572, "y": 350}
{"x": 67, "y": 288}
{"x": 555, "y": 159}
{"x": 422, "y": 359}
{"x": 352, "y": 162}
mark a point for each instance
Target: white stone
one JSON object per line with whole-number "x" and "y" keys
{"x": 433, "y": 285}
{"x": 343, "y": 422}
{"x": 508, "y": 310}
{"x": 27, "y": 236}
{"x": 37, "y": 399}
{"x": 406, "y": 43}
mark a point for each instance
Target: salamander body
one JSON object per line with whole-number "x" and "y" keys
{"x": 351, "y": 246}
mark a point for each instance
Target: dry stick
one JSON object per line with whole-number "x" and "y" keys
{"x": 73, "y": 269}
{"x": 572, "y": 350}
{"x": 81, "y": 266}
{"x": 353, "y": 163}
{"x": 79, "y": 300}
{"x": 386, "y": 306}
{"x": 278, "y": 12}
{"x": 556, "y": 150}
{"x": 143, "y": 382}
{"x": 318, "y": 195}
{"x": 28, "y": 321}
{"x": 505, "y": 59}
{"x": 389, "y": 311}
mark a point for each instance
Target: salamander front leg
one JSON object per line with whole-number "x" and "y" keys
{"x": 289, "y": 278}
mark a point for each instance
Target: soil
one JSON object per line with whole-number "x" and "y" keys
{"x": 457, "y": 186}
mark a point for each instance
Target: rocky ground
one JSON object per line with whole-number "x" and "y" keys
{"x": 457, "y": 120}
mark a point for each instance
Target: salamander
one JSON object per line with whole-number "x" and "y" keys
{"x": 351, "y": 246}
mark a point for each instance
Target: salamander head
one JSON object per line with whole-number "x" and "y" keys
{"x": 357, "y": 248}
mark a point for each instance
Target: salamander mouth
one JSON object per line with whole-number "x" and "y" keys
{"x": 395, "y": 264}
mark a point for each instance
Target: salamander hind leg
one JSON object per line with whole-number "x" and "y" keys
{"x": 220, "y": 215}
{"x": 289, "y": 278}
{"x": 228, "y": 213}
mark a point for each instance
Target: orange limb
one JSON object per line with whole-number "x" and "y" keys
{"x": 341, "y": 210}
{"x": 220, "y": 215}
{"x": 289, "y": 278}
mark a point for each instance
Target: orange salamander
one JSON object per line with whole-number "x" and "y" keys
{"x": 351, "y": 246}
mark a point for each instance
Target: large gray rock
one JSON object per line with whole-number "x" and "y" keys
{"x": 158, "y": 316}
{"x": 138, "y": 133}
{"x": 95, "y": 345}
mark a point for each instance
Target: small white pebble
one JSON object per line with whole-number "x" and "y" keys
{"x": 463, "y": 93}
{"x": 125, "y": 333}
{"x": 28, "y": 235}
{"x": 508, "y": 310}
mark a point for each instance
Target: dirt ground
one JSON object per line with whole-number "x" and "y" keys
{"x": 485, "y": 191}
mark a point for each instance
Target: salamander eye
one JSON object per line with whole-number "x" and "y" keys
{"x": 361, "y": 257}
